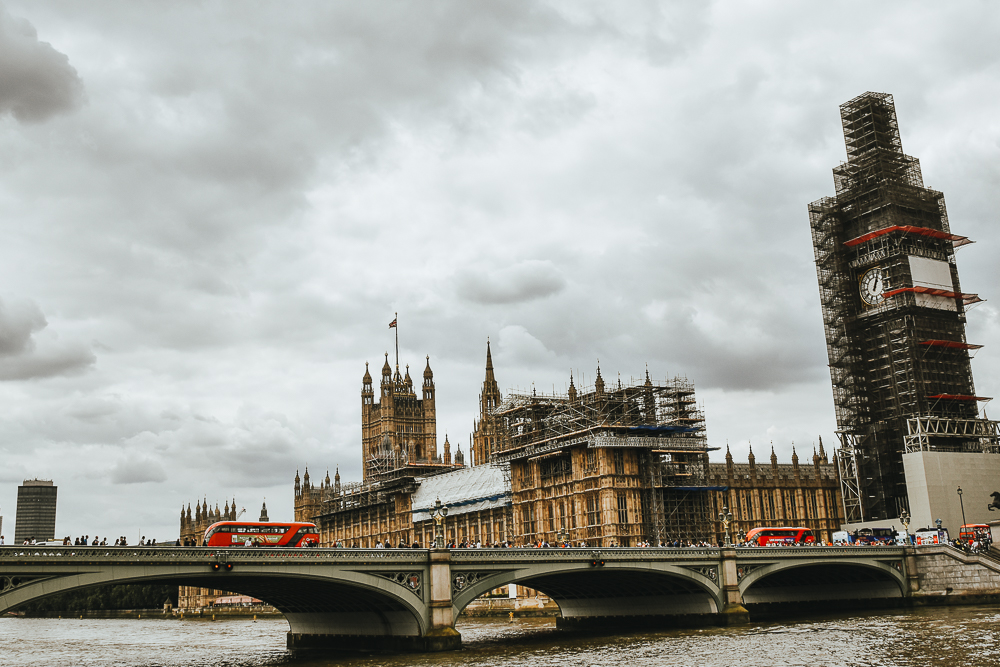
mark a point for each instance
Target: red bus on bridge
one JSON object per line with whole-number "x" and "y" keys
{"x": 261, "y": 534}
{"x": 773, "y": 535}
{"x": 973, "y": 531}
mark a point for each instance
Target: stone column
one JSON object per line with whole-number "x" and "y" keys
{"x": 733, "y": 613}
{"x": 441, "y": 635}
{"x": 910, "y": 568}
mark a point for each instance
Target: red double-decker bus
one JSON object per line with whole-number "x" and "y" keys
{"x": 764, "y": 536}
{"x": 261, "y": 534}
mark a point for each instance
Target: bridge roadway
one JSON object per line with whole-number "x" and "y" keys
{"x": 409, "y": 599}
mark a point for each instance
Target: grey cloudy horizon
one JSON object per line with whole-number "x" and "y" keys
{"x": 211, "y": 212}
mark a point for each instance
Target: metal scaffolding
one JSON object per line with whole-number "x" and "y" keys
{"x": 893, "y": 313}
{"x": 661, "y": 422}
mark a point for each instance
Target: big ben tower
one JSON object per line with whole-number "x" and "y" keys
{"x": 893, "y": 314}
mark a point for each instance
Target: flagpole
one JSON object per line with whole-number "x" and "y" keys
{"x": 396, "y": 320}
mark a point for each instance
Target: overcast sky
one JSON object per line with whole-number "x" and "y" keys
{"x": 210, "y": 212}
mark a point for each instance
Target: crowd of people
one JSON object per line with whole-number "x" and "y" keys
{"x": 980, "y": 543}
{"x": 87, "y": 541}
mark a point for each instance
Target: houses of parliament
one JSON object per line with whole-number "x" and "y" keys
{"x": 612, "y": 464}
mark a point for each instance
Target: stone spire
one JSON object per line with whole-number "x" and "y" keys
{"x": 459, "y": 457}
{"x": 729, "y": 457}
{"x": 485, "y": 436}
{"x": 599, "y": 382}
{"x": 572, "y": 388}
{"x": 489, "y": 363}
{"x": 298, "y": 484}
{"x": 367, "y": 379}
{"x": 774, "y": 459}
{"x": 336, "y": 481}
{"x": 386, "y": 372}
{"x": 822, "y": 452}
{"x": 263, "y": 512}
{"x": 447, "y": 451}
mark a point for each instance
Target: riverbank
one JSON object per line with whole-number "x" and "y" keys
{"x": 241, "y": 613}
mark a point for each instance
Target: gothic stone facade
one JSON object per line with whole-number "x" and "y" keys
{"x": 592, "y": 495}
{"x": 778, "y": 494}
{"x": 192, "y": 532}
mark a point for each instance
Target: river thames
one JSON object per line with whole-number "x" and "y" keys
{"x": 941, "y": 636}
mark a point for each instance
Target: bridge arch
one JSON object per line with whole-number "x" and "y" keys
{"x": 809, "y": 580}
{"x": 314, "y": 600}
{"x": 618, "y": 588}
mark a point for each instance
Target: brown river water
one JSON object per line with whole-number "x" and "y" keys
{"x": 941, "y": 636}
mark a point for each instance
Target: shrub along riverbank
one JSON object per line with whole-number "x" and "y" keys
{"x": 104, "y": 598}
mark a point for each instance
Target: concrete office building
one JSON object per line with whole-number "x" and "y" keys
{"x": 36, "y": 511}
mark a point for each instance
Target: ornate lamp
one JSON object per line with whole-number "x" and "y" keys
{"x": 725, "y": 517}
{"x": 439, "y": 513}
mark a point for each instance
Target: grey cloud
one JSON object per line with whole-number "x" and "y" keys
{"x": 134, "y": 469}
{"x": 36, "y": 81}
{"x": 525, "y": 281}
{"x": 21, "y": 356}
{"x": 522, "y": 348}
{"x": 18, "y": 321}
{"x": 50, "y": 363}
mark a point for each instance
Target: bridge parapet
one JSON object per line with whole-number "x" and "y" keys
{"x": 581, "y": 553}
{"x": 824, "y": 552}
{"x": 209, "y": 555}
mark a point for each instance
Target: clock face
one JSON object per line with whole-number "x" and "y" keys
{"x": 872, "y": 287}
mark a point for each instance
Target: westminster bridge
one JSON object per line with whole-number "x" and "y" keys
{"x": 408, "y": 599}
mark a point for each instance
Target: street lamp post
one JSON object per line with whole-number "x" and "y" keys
{"x": 962, "y": 503}
{"x": 725, "y": 516}
{"x": 438, "y": 515}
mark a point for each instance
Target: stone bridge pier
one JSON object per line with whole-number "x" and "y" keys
{"x": 421, "y": 618}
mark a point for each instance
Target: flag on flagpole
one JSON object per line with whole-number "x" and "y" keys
{"x": 392, "y": 325}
